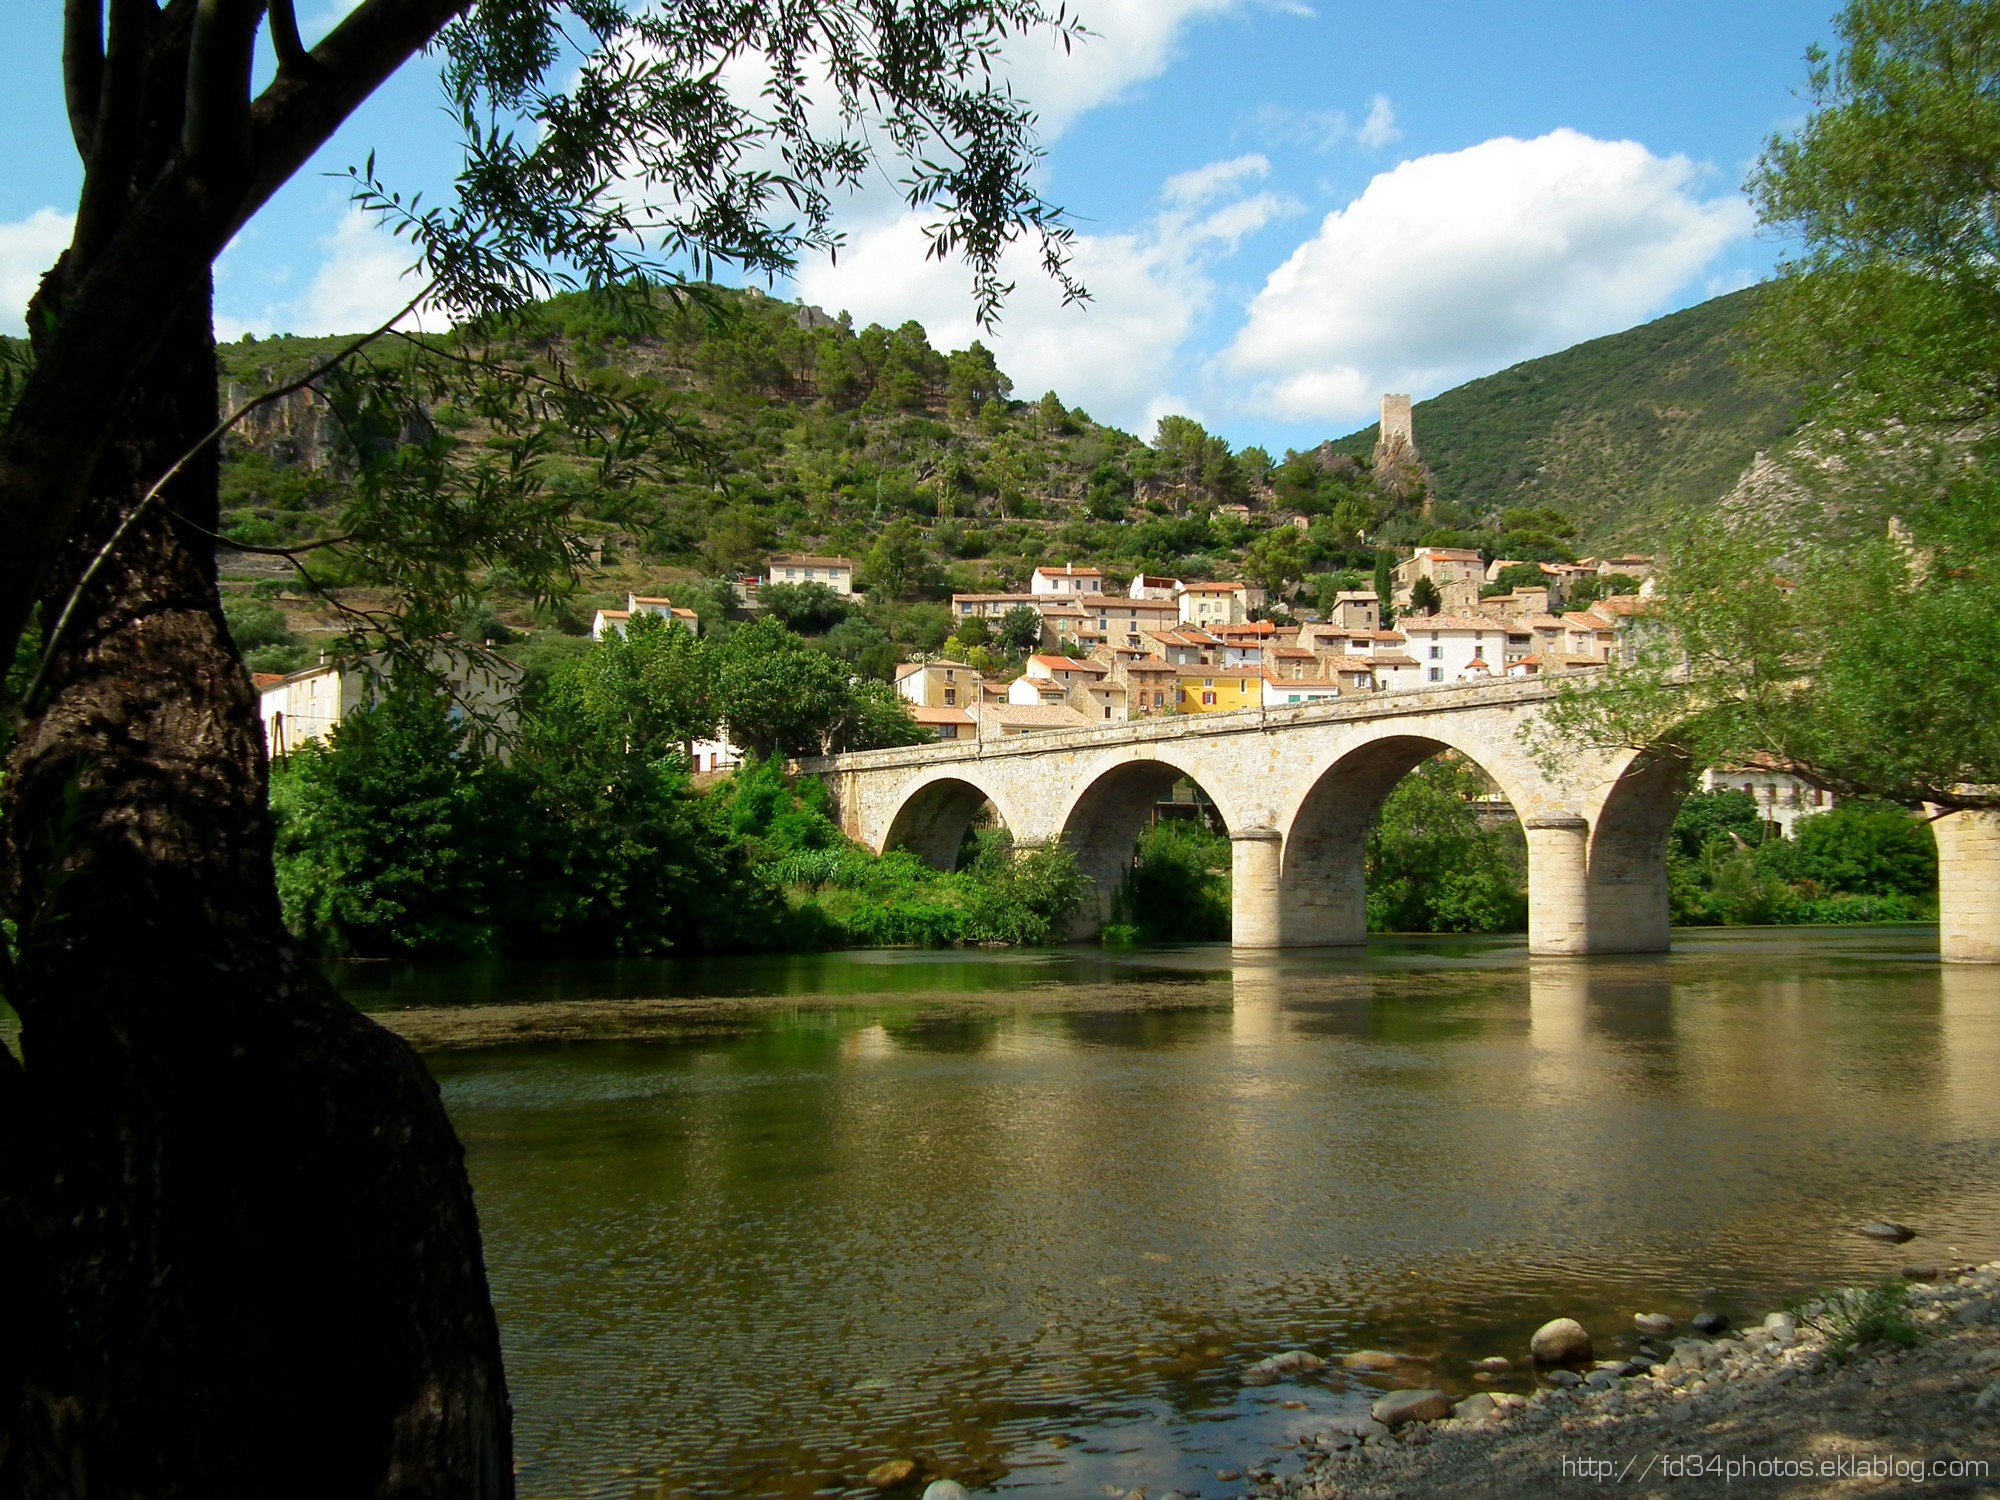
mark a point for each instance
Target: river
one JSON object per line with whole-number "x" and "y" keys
{"x": 756, "y": 1225}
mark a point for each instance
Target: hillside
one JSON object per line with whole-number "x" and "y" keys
{"x": 1613, "y": 432}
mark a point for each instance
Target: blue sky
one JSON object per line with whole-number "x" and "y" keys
{"x": 1283, "y": 208}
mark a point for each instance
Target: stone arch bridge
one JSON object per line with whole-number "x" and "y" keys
{"x": 1298, "y": 789}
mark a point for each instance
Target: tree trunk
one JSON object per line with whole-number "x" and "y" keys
{"x": 235, "y": 1226}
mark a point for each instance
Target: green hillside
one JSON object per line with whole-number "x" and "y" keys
{"x": 1613, "y": 432}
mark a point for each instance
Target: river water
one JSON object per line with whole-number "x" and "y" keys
{"x": 761, "y": 1224}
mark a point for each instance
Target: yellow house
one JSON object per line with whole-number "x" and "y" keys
{"x": 1211, "y": 690}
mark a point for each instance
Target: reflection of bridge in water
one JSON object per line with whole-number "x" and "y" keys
{"x": 1299, "y": 788}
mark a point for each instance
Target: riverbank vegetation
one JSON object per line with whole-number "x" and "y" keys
{"x": 405, "y": 836}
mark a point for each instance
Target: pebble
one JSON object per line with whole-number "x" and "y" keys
{"x": 1989, "y": 1399}
{"x": 1278, "y": 1366}
{"x": 1478, "y": 1407}
{"x": 1493, "y": 1363}
{"x": 1921, "y": 1273}
{"x": 1601, "y": 1380}
{"x": 1888, "y": 1229}
{"x": 946, "y": 1489}
{"x": 1564, "y": 1379}
{"x": 1559, "y": 1341}
{"x": 1710, "y": 1322}
{"x": 893, "y": 1474}
{"x": 1398, "y": 1407}
{"x": 1372, "y": 1359}
{"x": 1655, "y": 1325}
{"x": 1978, "y": 1310}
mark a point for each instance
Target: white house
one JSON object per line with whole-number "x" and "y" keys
{"x": 1068, "y": 580}
{"x": 1781, "y": 797}
{"x": 642, "y": 604}
{"x": 305, "y": 706}
{"x": 1209, "y": 604}
{"x": 837, "y": 573}
{"x": 1446, "y": 647}
{"x": 1146, "y": 586}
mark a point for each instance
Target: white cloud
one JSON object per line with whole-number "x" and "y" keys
{"x": 28, "y": 247}
{"x": 1318, "y": 130}
{"x": 1131, "y": 41}
{"x": 1203, "y": 183}
{"x": 1454, "y": 265}
{"x": 1379, "y": 129}
{"x": 365, "y": 277}
{"x": 1113, "y": 355}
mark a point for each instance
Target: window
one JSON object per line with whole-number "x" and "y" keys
{"x": 1107, "y": 710}
{"x": 1160, "y": 699}
{"x": 1208, "y": 698}
{"x": 1437, "y": 674}
{"x": 1208, "y": 682}
{"x": 951, "y": 697}
{"x": 1437, "y": 654}
{"x": 1479, "y": 653}
{"x": 1291, "y": 697}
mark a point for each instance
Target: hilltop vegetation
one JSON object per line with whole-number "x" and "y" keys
{"x": 1617, "y": 433}
{"x": 775, "y": 427}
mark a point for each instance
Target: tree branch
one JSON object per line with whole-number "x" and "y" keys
{"x": 285, "y": 39}
{"x": 215, "y": 124}
{"x": 83, "y": 70}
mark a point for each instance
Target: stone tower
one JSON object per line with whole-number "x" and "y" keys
{"x": 1398, "y": 439}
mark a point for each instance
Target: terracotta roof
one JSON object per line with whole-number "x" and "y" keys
{"x": 1068, "y": 572}
{"x": 616, "y": 614}
{"x": 1195, "y": 669}
{"x": 1392, "y": 659}
{"x": 1212, "y": 588}
{"x": 1450, "y": 554}
{"x": 1450, "y": 622}
{"x": 1351, "y": 663}
{"x": 1623, "y": 604}
{"x": 925, "y": 715}
{"x": 262, "y": 680}
{"x": 1295, "y": 651}
{"x": 1542, "y": 622}
{"x": 801, "y": 560}
{"x": 1148, "y": 581}
{"x": 1187, "y": 636}
{"x": 996, "y": 598}
{"x": 1069, "y": 664}
{"x": 1031, "y": 716}
{"x": 908, "y": 669}
{"x": 1583, "y": 619}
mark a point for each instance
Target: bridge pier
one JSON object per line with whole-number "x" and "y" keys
{"x": 1558, "y": 885}
{"x": 1968, "y": 887}
{"x": 1256, "y": 896}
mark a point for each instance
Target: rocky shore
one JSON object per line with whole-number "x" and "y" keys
{"x": 1854, "y": 1393}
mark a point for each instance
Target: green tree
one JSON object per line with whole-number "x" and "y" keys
{"x": 1424, "y": 597}
{"x": 648, "y": 690}
{"x": 381, "y": 845}
{"x": 899, "y": 562}
{"x": 1797, "y": 623}
{"x": 296, "y": 1270}
{"x": 1865, "y": 849}
{"x": 1273, "y": 562}
{"x": 1433, "y": 867}
{"x": 1385, "y": 588}
{"x": 807, "y": 608}
{"x": 776, "y": 694}
{"x": 1178, "y": 889}
{"x": 1020, "y": 629}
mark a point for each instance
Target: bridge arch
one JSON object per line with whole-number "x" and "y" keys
{"x": 1631, "y": 816}
{"x": 936, "y": 813}
{"x": 1322, "y": 887}
{"x": 1112, "y": 806}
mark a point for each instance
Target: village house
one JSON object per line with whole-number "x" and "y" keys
{"x": 1151, "y": 683}
{"x": 1210, "y": 604}
{"x": 1070, "y": 581}
{"x": 1146, "y": 586}
{"x": 642, "y": 604}
{"x": 837, "y": 573}
{"x": 937, "y": 684}
{"x": 1448, "y": 646}
{"x": 1244, "y": 645}
{"x": 1782, "y": 797}
{"x": 1355, "y": 609}
{"x": 1208, "y": 690}
{"x": 1186, "y": 647}
{"x": 1004, "y": 720}
{"x": 944, "y": 723}
{"x": 300, "y": 707}
{"x": 1124, "y": 622}
{"x": 1456, "y": 573}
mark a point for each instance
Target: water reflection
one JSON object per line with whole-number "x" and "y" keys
{"x": 1032, "y": 1228}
